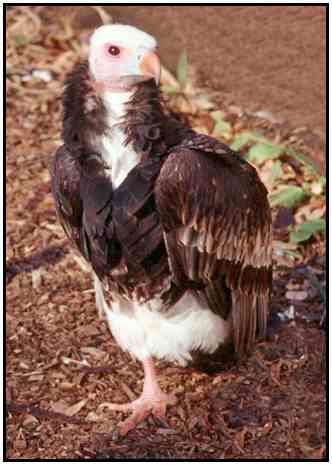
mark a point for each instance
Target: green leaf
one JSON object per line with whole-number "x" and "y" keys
{"x": 306, "y": 187}
{"x": 306, "y": 230}
{"x": 222, "y": 127}
{"x": 263, "y": 151}
{"x": 289, "y": 197}
{"x": 242, "y": 139}
{"x": 246, "y": 137}
{"x": 182, "y": 69}
{"x": 322, "y": 181}
{"x": 21, "y": 39}
{"x": 217, "y": 115}
{"x": 170, "y": 90}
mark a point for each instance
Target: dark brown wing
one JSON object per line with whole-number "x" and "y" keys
{"x": 217, "y": 224}
{"x": 83, "y": 199}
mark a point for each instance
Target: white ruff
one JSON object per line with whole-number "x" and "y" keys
{"x": 144, "y": 330}
{"x": 120, "y": 158}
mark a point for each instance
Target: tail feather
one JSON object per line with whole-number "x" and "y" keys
{"x": 249, "y": 318}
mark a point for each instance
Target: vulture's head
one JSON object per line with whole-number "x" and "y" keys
{"x": 122, "y": 54}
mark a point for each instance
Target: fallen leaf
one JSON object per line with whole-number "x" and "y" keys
{"x": 182, "y": 69}
{"x": 263, "y": 151}
{"x": 75, "y": 408}
{"x": 305, "y": 160}
{"x": 66, "y": 386}
{"x": 288, "y": 196}
{"x": 275, "y": 173}
{"x": 30, "y": 421}
{"x": 96, "y": 353}
{"x": 59, "y": 407}
{"x": 222, "y": 128}
{"x": 92, "y": 416}
{"x": 36, "y": 277}
{"x": 242, "y": 139}
{"x": 203, "y": 101}
{"x": 304, "y": 231}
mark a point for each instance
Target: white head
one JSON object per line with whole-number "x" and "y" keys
{"x": 118, "y": 51}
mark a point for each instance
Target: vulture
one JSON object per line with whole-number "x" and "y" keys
{"x": 175, "y": 226}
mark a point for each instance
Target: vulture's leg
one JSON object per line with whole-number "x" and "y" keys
{"x": 152, "y": 400}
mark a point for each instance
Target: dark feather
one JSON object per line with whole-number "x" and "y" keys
{"x": 84, "y": 113}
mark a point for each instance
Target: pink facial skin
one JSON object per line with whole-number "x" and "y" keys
{"x": 108, "y": 67}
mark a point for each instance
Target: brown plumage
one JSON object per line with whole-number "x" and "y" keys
{"x": 219, "y": 232}
{"x": 188, "y": 230}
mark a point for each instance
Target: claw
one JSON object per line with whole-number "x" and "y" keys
{"x": 153, "y": 401}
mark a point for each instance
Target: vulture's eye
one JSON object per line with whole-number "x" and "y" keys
{"x": 114, "y": 50}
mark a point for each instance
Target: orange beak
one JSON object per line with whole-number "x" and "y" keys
{"x": 150, "y": 66}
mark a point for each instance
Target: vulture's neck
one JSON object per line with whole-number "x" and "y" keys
{"x": 135, "y": 121}
{"x": 92, "y": 116}
{"x": 115, "y": 104}
{"x": 118, "y": 153}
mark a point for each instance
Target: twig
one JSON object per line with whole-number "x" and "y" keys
{"x": 42, "y": 413}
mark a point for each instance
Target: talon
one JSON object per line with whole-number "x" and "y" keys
{"x": 153, "y": 401}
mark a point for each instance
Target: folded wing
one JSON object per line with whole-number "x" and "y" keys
{"x": 217, "y": 228}
{"x": 83, "y": 200}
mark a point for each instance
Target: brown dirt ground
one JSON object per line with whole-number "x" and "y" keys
{"x": 62, "y": 363}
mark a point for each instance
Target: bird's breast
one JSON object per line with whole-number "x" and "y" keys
{"x": 119, "y": 158}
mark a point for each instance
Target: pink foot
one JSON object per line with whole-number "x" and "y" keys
{"x": 141, "y": 408}
{"x": 153, "y": 401}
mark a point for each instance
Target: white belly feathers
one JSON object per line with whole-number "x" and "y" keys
{"x": 145, "y": 330}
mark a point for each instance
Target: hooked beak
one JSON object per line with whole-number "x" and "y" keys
{"x": 150, "y": 66}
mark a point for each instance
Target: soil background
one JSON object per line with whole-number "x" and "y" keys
{"x": 262, "y": 58}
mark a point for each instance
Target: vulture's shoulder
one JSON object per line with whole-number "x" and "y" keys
{"x": 204, "y": 177}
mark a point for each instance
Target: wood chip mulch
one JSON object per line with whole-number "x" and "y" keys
{"x": 62, "y": 363}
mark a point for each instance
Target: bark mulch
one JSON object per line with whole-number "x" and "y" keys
{"x": 62, "y": 363}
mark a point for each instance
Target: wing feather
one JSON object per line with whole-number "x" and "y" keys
{"x": 218, "y": 232}
{"x": 83, "y": 195}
